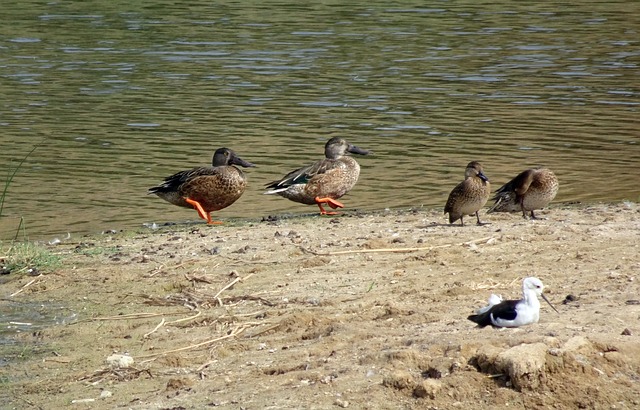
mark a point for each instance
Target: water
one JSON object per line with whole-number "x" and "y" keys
{"x": 122, "y": 94}
{"x": 27, "y": 317}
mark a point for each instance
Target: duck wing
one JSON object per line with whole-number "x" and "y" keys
{"x": 172, "y": 183}
{"x": 304, "y": 174}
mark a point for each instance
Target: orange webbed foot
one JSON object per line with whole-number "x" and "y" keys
{"x": 324, "y": 212}
{"x": 201, "y": 212}
{"x": 329, "y": 201}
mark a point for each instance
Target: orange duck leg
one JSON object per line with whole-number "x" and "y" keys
{"x": 203, "y": 214}
{"x": 329, "y": 201}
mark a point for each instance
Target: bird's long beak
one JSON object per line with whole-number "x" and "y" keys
{"x": 241, "y": 162}
{"x": 357, "y": 150}
{"x": 547, "y": 300}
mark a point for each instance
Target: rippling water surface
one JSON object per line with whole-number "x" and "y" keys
{"x": 121, "y": 94}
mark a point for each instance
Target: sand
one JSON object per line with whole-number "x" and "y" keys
{"x": 363, "y": 311}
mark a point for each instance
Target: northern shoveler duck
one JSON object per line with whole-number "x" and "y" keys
{"x": 470, "y": 195}
{"x": 324, "y": 181}
{"x": 206, "y": 189}
{"x": 513, "y": 313}
{"x": 531, "y": 189}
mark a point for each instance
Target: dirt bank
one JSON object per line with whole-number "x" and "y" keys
{"x": 357, "y": 311}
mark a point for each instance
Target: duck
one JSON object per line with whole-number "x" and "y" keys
{"x": 531, "y": 189}
{"x": 470, "y": 195}
{"x": 513, "y": 313}
{"x": 322, "y": 182}
{"x": 206, "y": 189}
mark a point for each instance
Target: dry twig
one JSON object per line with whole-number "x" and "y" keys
{"x": 263, "y": 331}
{"x": 395, "y": 250}
{"x": 162, "y": 322}
{"x": 235, "y": 332}
{"x": 184, "y": 319}
{"x": 161, "y": 268}
{"x": 128, "y": 373}
{"x": 194, "y": 278}
{"x": 142, "y": 315}
{"x": 24, "y": 287}
{"x": 229, "y": 285}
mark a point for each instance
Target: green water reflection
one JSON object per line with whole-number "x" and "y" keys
{"x": 126, "y": 93}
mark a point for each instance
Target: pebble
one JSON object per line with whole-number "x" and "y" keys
{"x": 119, "y": 361}
{"x": 342, "y": 403}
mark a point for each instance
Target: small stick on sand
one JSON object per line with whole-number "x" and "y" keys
{"x": 146, "y": 335}
{"x": 235, "y": 332}
{"x": 160, "y": 268}
{"x": 396, "y": 250}
{"x": 185, "y": 319}
{"x": 263, "y": 331}
{"x": 24, "y": 287}
{"x": 205, "y": 365}
{"x": 142, "y": 315}
{"x": 233, "y": 282}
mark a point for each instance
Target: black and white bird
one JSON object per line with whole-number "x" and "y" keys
{"x": 513, "y": 313}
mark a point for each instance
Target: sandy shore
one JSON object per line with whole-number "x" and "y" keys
{"x": 358, "y": 311}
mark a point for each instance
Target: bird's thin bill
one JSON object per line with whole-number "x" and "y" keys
{"x": 357, "y": 150}
{"x": 241, "y": 162}
{"x": 547, "y": 300}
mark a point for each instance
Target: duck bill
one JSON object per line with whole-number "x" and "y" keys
{"x": 357, "y": 150}
{"x": 483, "y": 177}
{"x": 241, "y": 162}
{"x": 547, "y": 300}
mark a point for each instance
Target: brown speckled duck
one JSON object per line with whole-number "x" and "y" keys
{"x": 206, "y": 189}
{"x": 470, "y": 195}
{"x": 324, "y": 181}
{"x": 531, "y": 189}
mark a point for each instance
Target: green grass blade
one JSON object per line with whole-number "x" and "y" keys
{"x": 13, "y": 174}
